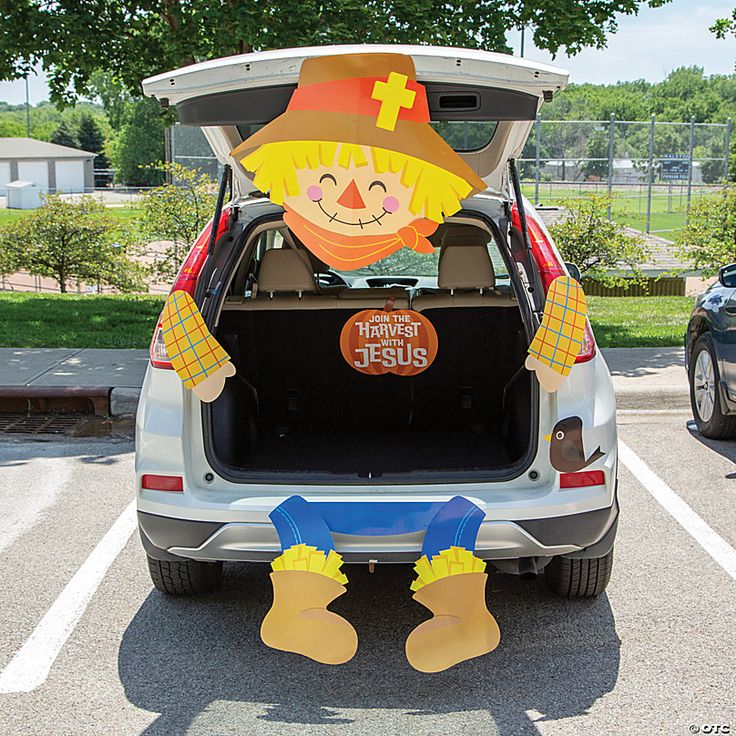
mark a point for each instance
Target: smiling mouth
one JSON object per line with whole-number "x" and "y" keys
{"x": 360, "y": 223}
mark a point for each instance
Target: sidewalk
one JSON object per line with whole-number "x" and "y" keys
{"x": 644, "y": 378}
{"x": 121, "y": 371}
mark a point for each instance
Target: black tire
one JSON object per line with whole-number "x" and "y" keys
{"x": 185, "y": 577}
{"x": 719, "y": 426}
{"x": 573, "y": 578}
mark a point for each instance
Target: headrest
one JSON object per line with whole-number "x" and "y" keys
{"x": 318, "y": 265}
{"x": 283, "y": 269}
{"x": 457, "y": 234}
{"x": 465, "y": 267}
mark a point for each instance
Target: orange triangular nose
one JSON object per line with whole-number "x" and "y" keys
{"x": 351, "y": 197}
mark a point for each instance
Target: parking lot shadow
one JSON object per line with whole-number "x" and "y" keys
{"x": 727, "y": 448}
{"x": 200, "y": 663}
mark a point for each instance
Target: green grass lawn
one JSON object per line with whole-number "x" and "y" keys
{"x": 123, "y": 213}
{"x": 630, "y": 204}
{"x": 639, "y": 321}
{"x": 29, "y": 320}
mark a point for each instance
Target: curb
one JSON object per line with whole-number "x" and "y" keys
{"x": 659, "y": 398}
{"x": 56, "y": 397}
{"x": 124, "y": 401}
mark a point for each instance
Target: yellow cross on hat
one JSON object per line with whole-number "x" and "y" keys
{"x": 393, "y": 95}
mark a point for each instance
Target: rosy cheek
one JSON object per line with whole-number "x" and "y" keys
{"x": 315, "y": 193}
{"x": 390, "y": 204}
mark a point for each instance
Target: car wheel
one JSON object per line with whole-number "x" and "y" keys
{"x": 705, "y": 396}
{"x": 579, "y": 578}
{"x": 184, "y": 577}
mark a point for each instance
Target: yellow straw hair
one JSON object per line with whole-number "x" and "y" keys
{"x": 310, "y": 559}
{"x": 436, "y": 191}
{"x": 453, "y": 561}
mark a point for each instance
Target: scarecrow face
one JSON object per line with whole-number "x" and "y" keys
{"x": 352, "y": 201}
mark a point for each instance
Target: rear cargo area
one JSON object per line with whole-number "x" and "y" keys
{"x": 296, "y": 407}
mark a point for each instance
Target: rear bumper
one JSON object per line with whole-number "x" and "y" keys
{"x": 588, "y": 534}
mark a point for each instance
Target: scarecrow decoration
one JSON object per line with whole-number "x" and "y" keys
{"x": 559, "y": 339}
{"x": 451, "y": 580}
{"x": 354, "y": 162}
{"x": 360, "y": 174}
{"x": 198, "y": 359}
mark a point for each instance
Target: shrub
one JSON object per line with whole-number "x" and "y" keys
{"x": 176, "y": 213}
{"x": 70, "y": 241}
{"x": 601, "y": 248}
{"x": 708, "y": 241}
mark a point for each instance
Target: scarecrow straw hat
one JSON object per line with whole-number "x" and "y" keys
{"x": 368, "y": 99}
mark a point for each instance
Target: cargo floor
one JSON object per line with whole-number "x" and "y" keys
{"x": 379, "y": 453}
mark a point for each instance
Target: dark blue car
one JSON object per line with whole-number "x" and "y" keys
{"x": 710, "y": 357}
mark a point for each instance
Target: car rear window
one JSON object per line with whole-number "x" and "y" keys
{"x": 463, "y": 135}
{"x": 466, "y": 135}
{"x": 407, "y": 262}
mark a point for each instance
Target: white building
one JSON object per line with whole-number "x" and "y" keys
{"x": 51, "y": 167}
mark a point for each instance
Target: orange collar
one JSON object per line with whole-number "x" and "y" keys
{"x": 350, "y": 252}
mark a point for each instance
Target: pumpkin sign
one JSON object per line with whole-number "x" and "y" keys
{"x": 377, "y": 341}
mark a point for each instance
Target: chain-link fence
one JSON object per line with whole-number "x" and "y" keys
{"x": 187, "y": 145}
{"x": 653, "y": 169}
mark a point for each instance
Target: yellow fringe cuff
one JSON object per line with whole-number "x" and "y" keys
{"x": 310, "y": 559}
{"x": 453, "y": 561}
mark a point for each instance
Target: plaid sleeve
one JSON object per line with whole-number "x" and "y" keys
{"x": 193, "y": 351}
{"x": 559, "y": 339}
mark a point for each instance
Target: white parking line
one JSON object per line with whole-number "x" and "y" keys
{"x": 694, "y": 524}
{"x": 32, "y": 663}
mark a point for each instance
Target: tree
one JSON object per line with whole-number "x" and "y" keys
{"x": 597, "y": 245}
{"x": 74, "y": 40}
{"x": 10, "y": 253}
{"x": 91, "y": 139}
{"x": 176, "y": 213}
{"x": 708, "y": 241}
{"x": 138, "y": 145}
{"x": 725, "y": 26}
{"x": 115, "y": 98}
{"x": 64, "y": 136}
{"x": 74, "y": 241}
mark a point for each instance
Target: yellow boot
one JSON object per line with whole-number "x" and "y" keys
{"x": 461, "y": 628}
{"x": 299, "y": 620}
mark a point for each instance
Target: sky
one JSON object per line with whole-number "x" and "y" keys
{"x": 651, "y": 44}
{"x": 647, "y": 46}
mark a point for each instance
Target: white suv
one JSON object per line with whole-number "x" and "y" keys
{"x": 297, "y": 420}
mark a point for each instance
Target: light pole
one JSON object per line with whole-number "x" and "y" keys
{"x": 28, "y": 111}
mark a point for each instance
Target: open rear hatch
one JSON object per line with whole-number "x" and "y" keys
{"x": 295, "y": 412}
{"x": 482, "y": 103}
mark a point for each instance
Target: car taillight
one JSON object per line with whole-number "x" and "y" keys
{"x": 587, "y": 352}
{"x": 157, "y": 352}
{"x": 186, "y": 280}
{"x": 550, "y": 268}
{"x": 174, "y": 483}
{"x": 583, "y": 479}
{"x": 544, "y": 255}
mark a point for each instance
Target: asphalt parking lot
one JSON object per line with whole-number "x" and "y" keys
{"x": 87, "y": 647}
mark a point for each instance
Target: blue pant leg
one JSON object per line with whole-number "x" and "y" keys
{"x": 298, "y": 522}
{"x": 456, "y": 524}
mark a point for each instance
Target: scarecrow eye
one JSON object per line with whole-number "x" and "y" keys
{"x": 559, "y": 434}
{"x": 377, "y": 183}
{"x": 324, "y": 177}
